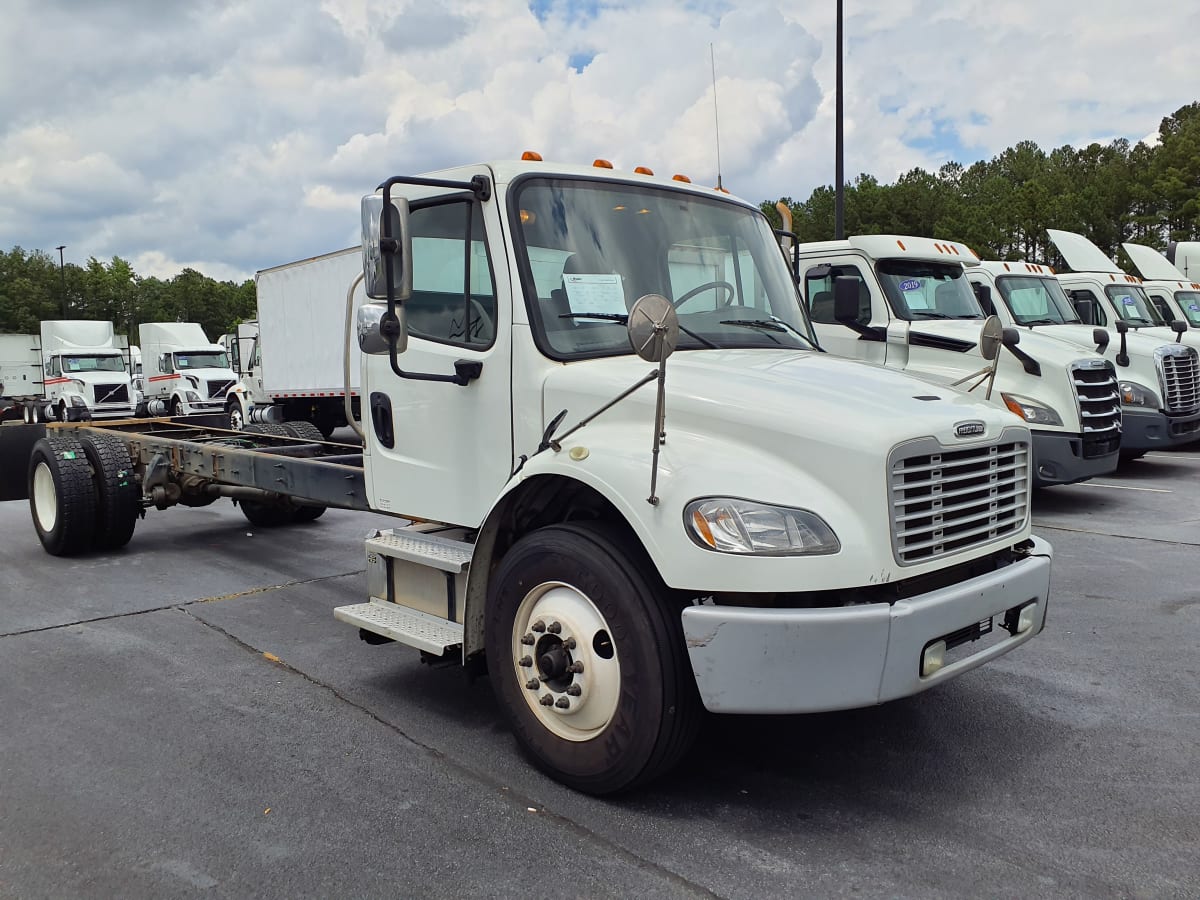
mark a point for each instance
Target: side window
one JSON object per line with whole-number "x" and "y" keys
{"x": 1164, "y": 308}
{"x": 454, "y": 297}
{"x": 1089, "y": 307}
{"x": 164, "y": 363}
{"x": 818, "y": 293}
{"x": 54, "y": 367}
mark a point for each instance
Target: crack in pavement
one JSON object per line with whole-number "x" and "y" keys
{"x": 1129, "y": 537}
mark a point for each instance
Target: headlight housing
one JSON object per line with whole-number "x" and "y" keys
{"x": 732, "y": 525}
{"x": 76, "y": 400}
{"x": 1031, "y": 411}
{"x": 192, "y": 396}
{"x": 1134, "y": 394}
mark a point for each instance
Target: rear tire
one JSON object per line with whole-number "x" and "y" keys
{"x": 308, "y": 513}
{"x": 62, "y": 496}
{"x": 305, "y": 431}
{"x": 118, "y": 495}
{"x": 267, "y": 428}
{"x": 266, "y": 515}
{"x": 584, "y": 595}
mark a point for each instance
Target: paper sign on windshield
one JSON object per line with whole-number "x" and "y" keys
{"x": 595, "y": 294}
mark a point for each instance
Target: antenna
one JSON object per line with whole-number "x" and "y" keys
{"x": 712, "y": 58}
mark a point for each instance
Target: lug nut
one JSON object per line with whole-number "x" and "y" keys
{"x": 575, "y": 667}
{"x": 528, "y": 639}
{"x": 525, "y": 662}
{"x": 569, "y": 643}
{"x": 539, "y": 626}
{"x": 562, "y": 703}
{"x": 546, "y": 700}
{"x": 554, "y": 628}
{"x": 533, "y": 684}
{"x": 574, "y": 690}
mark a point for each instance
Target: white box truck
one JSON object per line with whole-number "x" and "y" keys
{"x": 910, "y": 307}
{"x": 183, "y": 372}
{"x": 627, "y": 537}
{"x": 1159, "y": 387}
{"x": 71, "y": 370}
{"x": 289, "y": 361}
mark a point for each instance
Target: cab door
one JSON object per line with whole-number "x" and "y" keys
{"x": 834, "y": 336}
{"x": 437, "y": 450}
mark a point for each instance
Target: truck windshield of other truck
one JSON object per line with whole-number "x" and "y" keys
{"x": 1189, "y": 303}
{"x": 588, "y": 250}
{"x": 1036, "y": 301}
{"x": 201, "y": 359}
{"x": 91, "y": 363}
{"x": 923, "y": 290}
{"x": 1133, "y": 305}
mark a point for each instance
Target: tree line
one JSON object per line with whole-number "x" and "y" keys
{"x": 34, "y": 288}
{"x": 1001, "y": 208}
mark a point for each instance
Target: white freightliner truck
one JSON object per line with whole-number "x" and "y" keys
{"x": 71, "y": 370}
{"x": 1158, "y": 383}
{"x": 749, "y": 526}
{"x": 184, "y": 373}
{"x": 1174, "y": 295}
{"x": 289, "y": 362}
{"x": 908, "y": 305}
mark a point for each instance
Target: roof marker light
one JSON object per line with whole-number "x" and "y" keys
{"x": 900, "y": 244}
{"x": 644, "y": 170}
{"x": 1006, "y": 268}
{"x": 683, "y": 178}
{"x": 601, "y": 164}
{"x": 532, "y": 156}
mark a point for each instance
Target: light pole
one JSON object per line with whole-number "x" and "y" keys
{"x": 63, "y": 272}
{"x": 839, "y": 191}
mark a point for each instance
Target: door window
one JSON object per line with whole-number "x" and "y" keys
{"x": 454, "y": 296}
{"x": 1089, "y": 307}
{"x": 818, "y": 293}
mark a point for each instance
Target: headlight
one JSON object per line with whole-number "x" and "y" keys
{"x": 76, "y": 400}
{"x": 192, "y": 396}
{"x": 1032, "y": 412}
{"x": 1134, "y": 394}
{"x": 729, "y": 525}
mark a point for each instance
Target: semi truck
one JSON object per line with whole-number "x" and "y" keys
{"x": 1174, "y": 295}
{"x": 907, "y": 305}
{"x": 289, "y": 361}
{"x": 631, "y": 491}
{"x": 71, "y": 370}
{"x": 1158, "y": 381}
{"x": 183, "y": 373}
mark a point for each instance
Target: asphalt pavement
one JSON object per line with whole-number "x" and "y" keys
{"x": 186, "y": 718}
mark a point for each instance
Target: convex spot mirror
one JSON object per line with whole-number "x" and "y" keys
{"x": 991, "y": 335}
{"x": 383, "y": 253}
{"x": 371, "y": 339}
{"x": 653, "y": 327}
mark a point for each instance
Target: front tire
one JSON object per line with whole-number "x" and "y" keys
{"x": 62, "y": 497}
{"x": 586, "y": 655}
{"x": 237, "y": 421}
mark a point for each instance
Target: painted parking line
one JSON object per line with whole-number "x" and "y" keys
{"x": 1123, "y": 487}
{"x": 1171, "y": 456}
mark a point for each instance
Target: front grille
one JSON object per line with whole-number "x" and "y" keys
{"x": 1179, "y": 378}
{"x": 1099, "y": 405}
{"x": 217, "y": 389}
{"x": 945, "y": 500}
{"x": 111, "y": 393}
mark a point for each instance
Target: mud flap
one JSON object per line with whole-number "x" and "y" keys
{"x": 16, "y": 444}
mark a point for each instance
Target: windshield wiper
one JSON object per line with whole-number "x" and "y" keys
{"x": 623, "y": 318}
{"x": 1042, "y": 322}
{"x": 1139, "y": 319}
{"x": 930, "y": 314}
{"x": 773, "y": 324}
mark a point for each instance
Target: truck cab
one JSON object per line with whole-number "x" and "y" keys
{"x": 1152, "y": 375}
{"x": 1174, "y": 295}
{"x": 184, "y": 373}
{"x": 917, "y": 312}
{"x": 84, "y": 371}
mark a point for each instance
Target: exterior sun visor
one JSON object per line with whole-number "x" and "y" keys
{"x": 1081, "y": 254}
{"x": 1152, "y": 265}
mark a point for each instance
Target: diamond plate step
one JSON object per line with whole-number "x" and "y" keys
{"x": 407, "y": 626}
{"x": 426, "y": 549}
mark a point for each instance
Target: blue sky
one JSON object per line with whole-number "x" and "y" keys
{"x": 231, "y": 135}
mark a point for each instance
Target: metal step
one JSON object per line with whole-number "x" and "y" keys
{"x": 427, "y": 549}
{"x": 407, "y": 626}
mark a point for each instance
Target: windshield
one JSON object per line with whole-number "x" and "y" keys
{"x": 84, "y": 363}
{"x": 1036, "y": 301}
{"x": 201, "y": 359}
{"x": 923, "y": 290}
{"x": 1189, "y": 302}
{"x": 589, "y": 249}
{"x": 1132, "y": 304}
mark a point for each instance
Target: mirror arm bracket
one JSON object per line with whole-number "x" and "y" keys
{"x": 1031, "y": 365}
{"x": 465, "y": 370}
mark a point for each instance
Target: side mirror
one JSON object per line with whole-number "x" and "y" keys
{"x": 1122, "y": 326}
{"x": 1100, "y": 336}
{"x": 386, "y": 252}
{"x": 983, "y": 294}
{"x": 845, "y": 301}
{"x": 1011, "y": 337}
{"x": 1123, "y": 353}
{"x": 1179, "y": 327}
{"x": 1083, "y": 308}
{"x": 370, "y": 336}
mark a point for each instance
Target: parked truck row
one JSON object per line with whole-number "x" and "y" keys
{"x": 628, "y": 479}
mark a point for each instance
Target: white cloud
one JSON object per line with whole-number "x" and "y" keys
{"x": 232, "y": 135}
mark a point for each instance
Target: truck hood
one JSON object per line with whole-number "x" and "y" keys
{"x": 210, "y": 374}
{"x": 800, "y": 395}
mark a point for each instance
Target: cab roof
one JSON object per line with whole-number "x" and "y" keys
{"x": 897, "y": 246}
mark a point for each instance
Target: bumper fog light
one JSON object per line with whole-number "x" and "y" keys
{"x": 1026, "y": 619}
{"x": 933, "y": 658}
